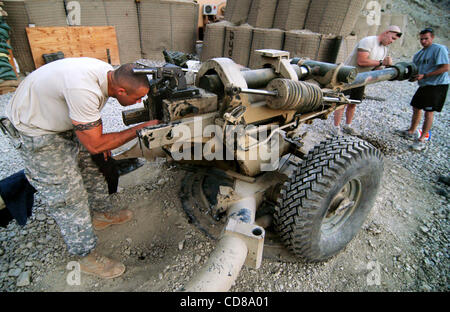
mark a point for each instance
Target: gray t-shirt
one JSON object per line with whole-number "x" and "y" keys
{"x": 52, "y": 96}
{"x": 370, "y": 44}
{"x": 429, "y": 60}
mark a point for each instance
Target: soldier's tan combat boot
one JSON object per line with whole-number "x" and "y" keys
{"x": 100, "y": 266}
{"x": 101, "y": 220}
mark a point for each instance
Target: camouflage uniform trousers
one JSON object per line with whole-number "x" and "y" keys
{"x": 62, "y": 171}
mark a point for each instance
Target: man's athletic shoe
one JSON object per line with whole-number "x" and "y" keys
{"x": 419, "y": 146}
{"x": 336, "y": 131}
{"x": 349, "y": 130}
{"x": 102, "y": 220}
{"x": 405, "y": 134}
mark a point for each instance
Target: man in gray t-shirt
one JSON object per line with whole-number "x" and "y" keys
{"x": 370, "y": 53}
{"x": 432, "y": 64}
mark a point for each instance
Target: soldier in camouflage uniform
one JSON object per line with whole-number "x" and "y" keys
{"x": 73, "y": 188}
{"x": 56, "y": 112}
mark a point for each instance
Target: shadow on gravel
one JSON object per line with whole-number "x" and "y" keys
{"x": 386, "y": 147}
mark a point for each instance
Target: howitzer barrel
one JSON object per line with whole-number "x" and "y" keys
{"x": 400, "y": 71}
{"x": 322, "y": 71}
{"x": 259, "y": 78}
{"x": 370, "y": 77}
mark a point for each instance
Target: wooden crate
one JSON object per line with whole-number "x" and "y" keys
{"x": 74, "y": 41}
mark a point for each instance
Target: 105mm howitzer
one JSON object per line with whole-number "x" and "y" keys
{"x": 242, "y": 125}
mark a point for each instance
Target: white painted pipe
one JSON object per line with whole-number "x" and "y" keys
{"x": 224, "y": 264}
{"x": 222, "y": 267}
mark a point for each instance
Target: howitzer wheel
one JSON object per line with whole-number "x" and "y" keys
{"x": 328, "y": 196}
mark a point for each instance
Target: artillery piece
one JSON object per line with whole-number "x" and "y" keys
{"x": 238, "y": 129}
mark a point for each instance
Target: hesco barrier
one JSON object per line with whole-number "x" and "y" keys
{"x": 262, "y": 13}
{"x": 237, "y": 11}
{"x": 301, "y": 43}
{"x": 315, "y": 46}
{"x": 328, "y": 48}
{"x": 169, "y": 24}
{"x": 264, "y": 38}
{"x": 213, "y": 40}
{"x": 23, "y": 13}
{"x": 347, "y": 45}
{"x": 238, "y": 41}
{"x": 333, "y": 17}
{"x": 122, "y": 15}
{"x": 291, "y": 14}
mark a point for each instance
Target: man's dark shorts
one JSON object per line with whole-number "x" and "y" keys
{"x": 430, "y": 98}
{"x": 356, "y": 93}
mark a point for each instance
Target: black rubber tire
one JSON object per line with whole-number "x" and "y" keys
{"x": 311, "y": 215}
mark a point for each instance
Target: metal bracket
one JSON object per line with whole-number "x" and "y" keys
{"x": 279, "y": 60}
{"x": 253, "y": 236}
{"x": 235, "y": 115}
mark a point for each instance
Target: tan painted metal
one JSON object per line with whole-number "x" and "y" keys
{"x": 222, "y": 268}
{"x": 242, "y": 241}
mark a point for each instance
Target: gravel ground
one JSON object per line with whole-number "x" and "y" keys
{"x": 406, "y": 233}
{"x": 403, "y": 245}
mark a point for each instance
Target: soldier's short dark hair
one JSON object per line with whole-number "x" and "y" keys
{"x": 124, "y": 76}
{"x": 427, "y": 30}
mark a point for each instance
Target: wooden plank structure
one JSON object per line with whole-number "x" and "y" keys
{"x": 74, "y": 41}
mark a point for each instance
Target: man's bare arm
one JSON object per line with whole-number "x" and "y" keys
{"x": 441, "y": 69}
{"x": 92, "y": 137}
{"x": 363, "y": 60}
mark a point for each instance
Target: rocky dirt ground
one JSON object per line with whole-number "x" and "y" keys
{"x": 403, "y": 245}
